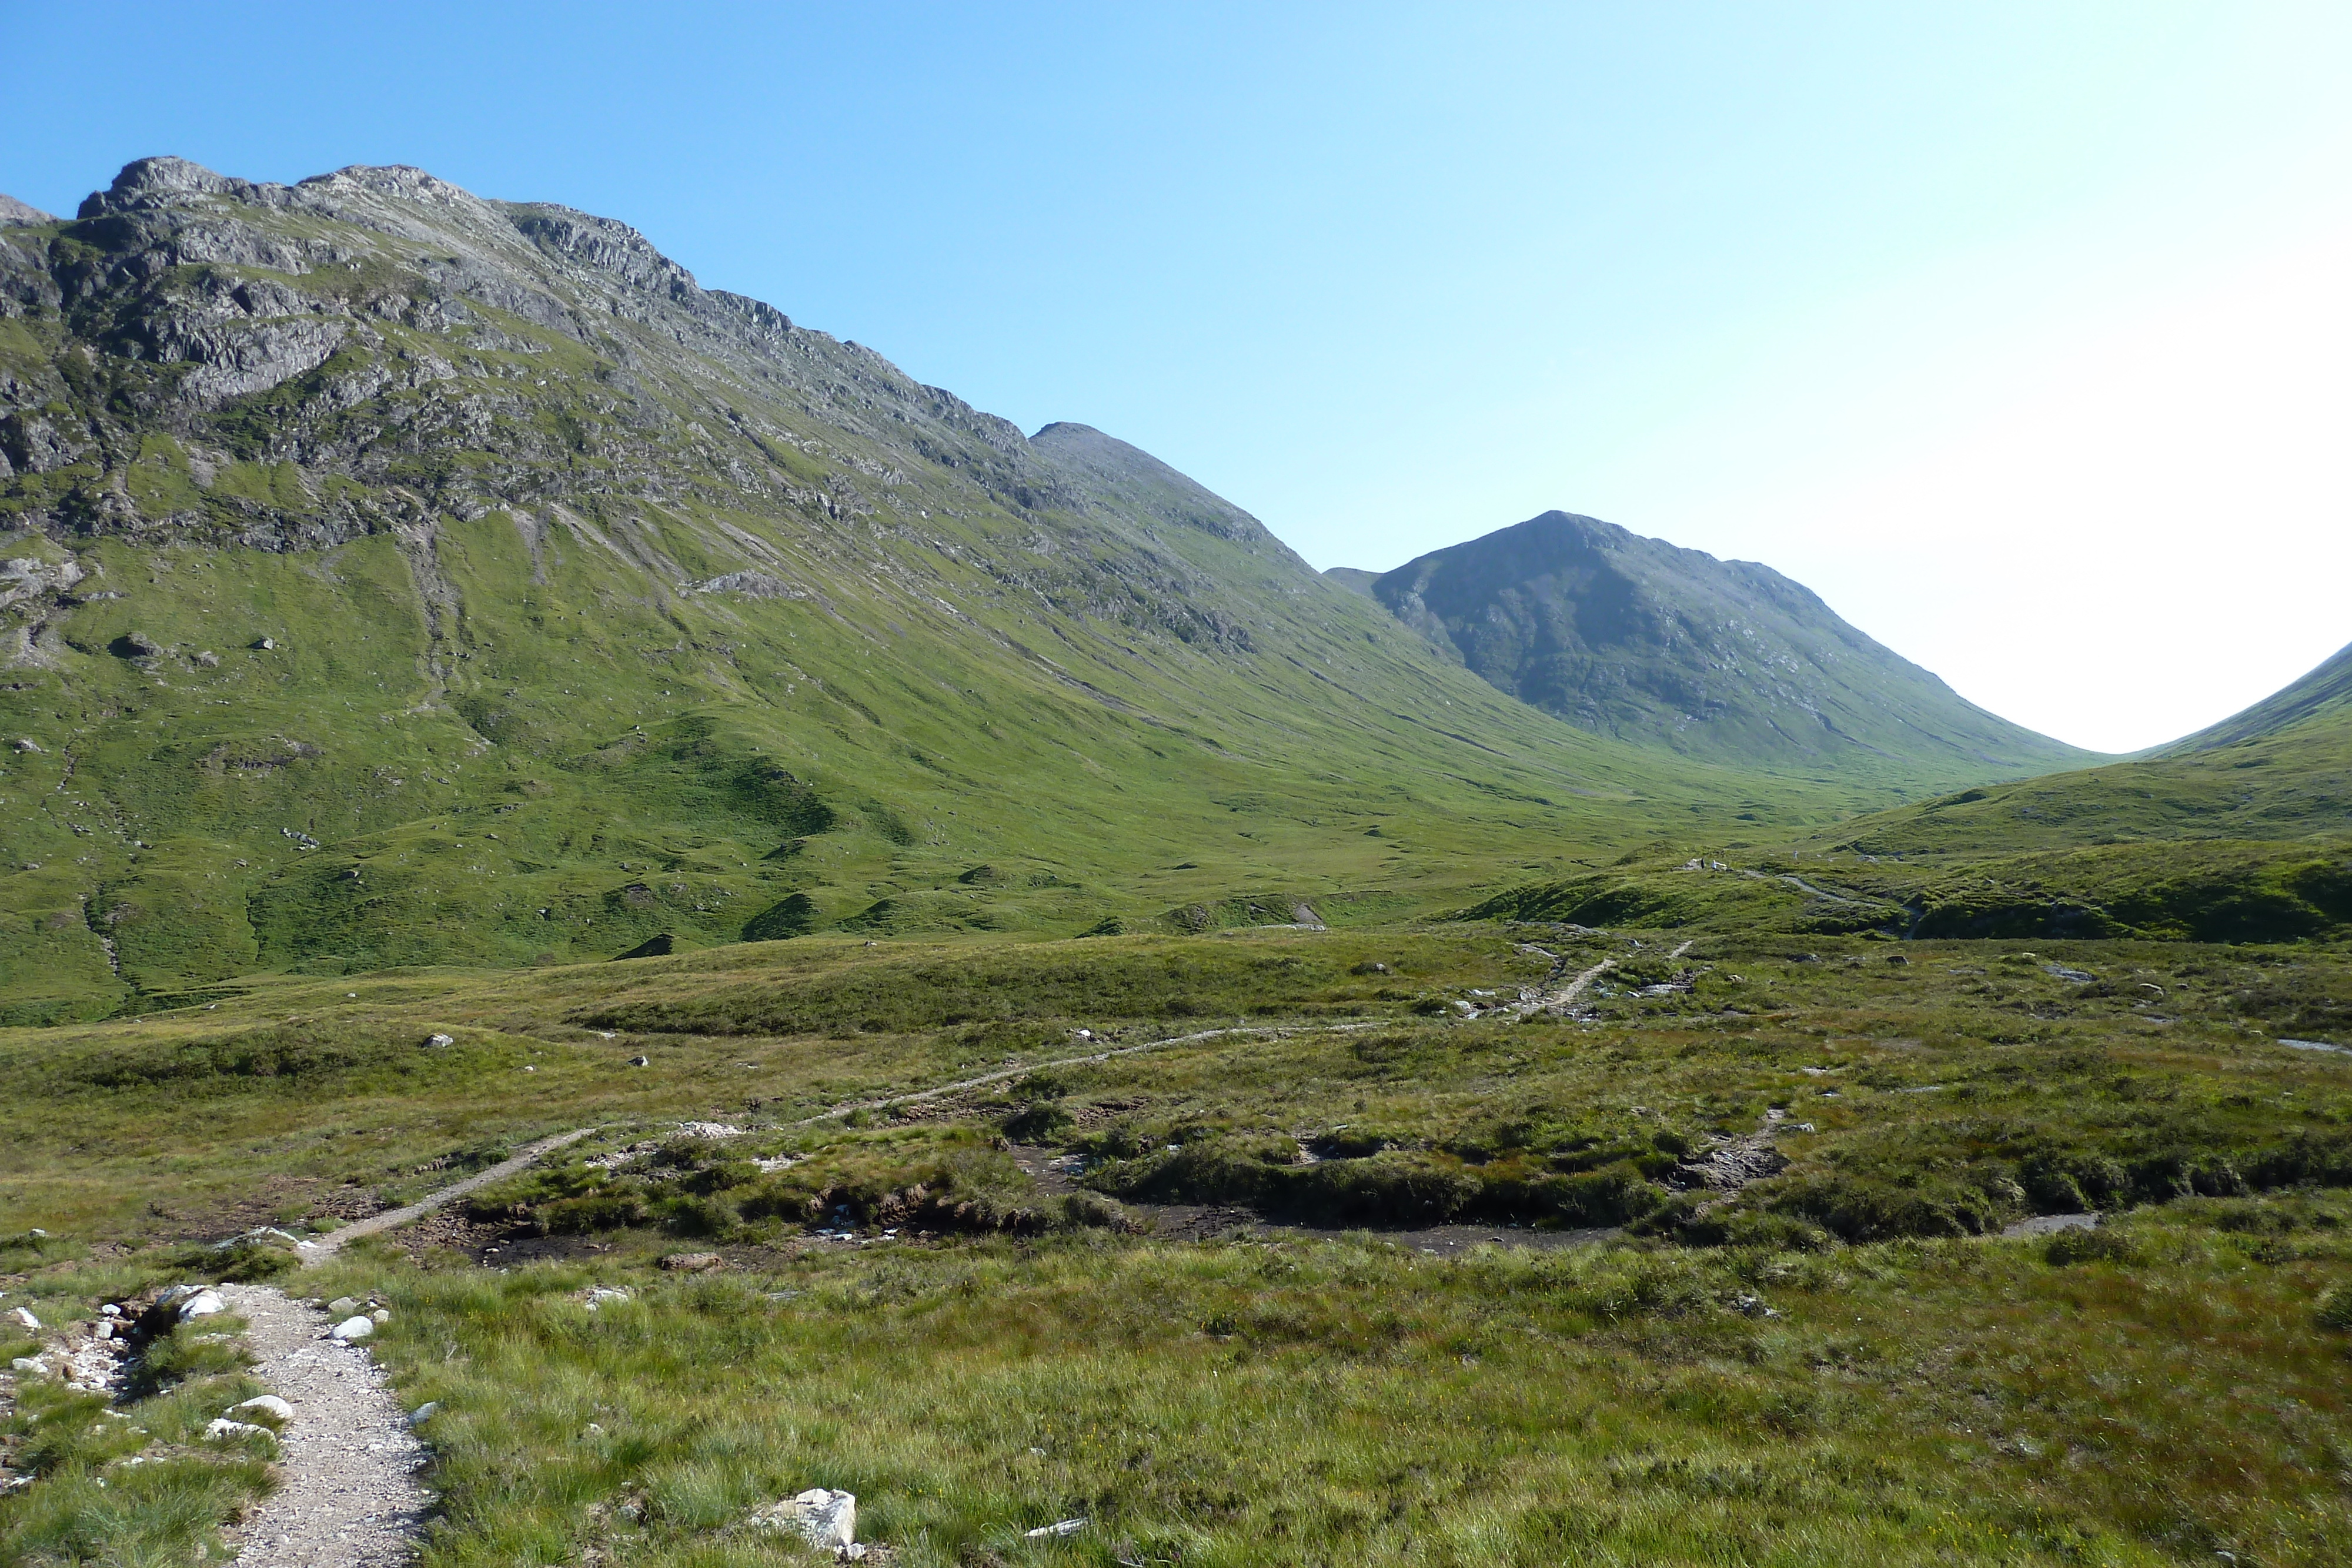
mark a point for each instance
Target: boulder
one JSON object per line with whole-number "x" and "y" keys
{"x": 202, "y": 1305}
{"x": 440, "y": 1040}
{"x": 693, "y": 1262}
{"x": 265, "y": 1405}
{"x": 822, "y": 1518}
{"x": 353, "y": 1330}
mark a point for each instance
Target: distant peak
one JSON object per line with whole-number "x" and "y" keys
{"x": 13, "y": 210}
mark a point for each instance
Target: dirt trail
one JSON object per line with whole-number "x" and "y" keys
{"x": 326, "y": 1245}
{"x": 348, "y": 1495}
{"x": 1555, "y": 999}
{"x": 1026, "y": 1068}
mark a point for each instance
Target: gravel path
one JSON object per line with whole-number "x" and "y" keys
{"x": 326, "y": 1245}
{"x": 349, "y": 1496}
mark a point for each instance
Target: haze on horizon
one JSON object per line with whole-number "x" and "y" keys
{"x": 2015, "y": 331}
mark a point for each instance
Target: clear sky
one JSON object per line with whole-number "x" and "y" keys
{"x": 2021, "y": 332}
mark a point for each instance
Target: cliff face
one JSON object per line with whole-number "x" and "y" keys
{"x": 1730, "y": 661}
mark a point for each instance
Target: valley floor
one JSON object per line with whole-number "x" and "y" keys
{"x": 1194, "y": 1239}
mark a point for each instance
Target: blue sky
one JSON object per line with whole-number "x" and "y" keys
{"x": 2015, "y": 330}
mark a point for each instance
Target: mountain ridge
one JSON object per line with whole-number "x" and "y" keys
{"x": 400, "y": 576}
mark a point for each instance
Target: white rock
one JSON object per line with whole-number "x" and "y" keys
{"x": 441, "y": 1039}
{"x": 381, "y": 1315}
{"x": 599, "y": 1294}
{"x": 24, "y": 1317}
{"x": 29, "y": 1364}
{"x": 111, "y": 1309}
{"x": 222, "y": 1427}
{"x": 268, "y": 1404}
{"x": 202, "y": 1305}
{"x": 1060, "y": 1527}
{"x": 821, "y": 1517}
{"x": 351, "y": 1330}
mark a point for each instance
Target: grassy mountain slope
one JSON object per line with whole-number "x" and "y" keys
{"x": 2249, "y": 840}
{"x": 394, "y": 577}
{"x": 1724, "y": 660}
{"x": 2325, "y": 692}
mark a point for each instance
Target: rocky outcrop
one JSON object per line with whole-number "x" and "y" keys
{"x": 13, "y": 210}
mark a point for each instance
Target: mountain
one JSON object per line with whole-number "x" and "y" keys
{"x": 13, "y": 210}
{"x": 1725, "y": 660}
{"x": 398, "y": 577}
{"x": 2324, "y": 693}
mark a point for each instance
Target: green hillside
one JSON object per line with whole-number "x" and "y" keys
{"x": 2324, "y": 692}
{"x": 1718, "y": 661}
{"x": 2244, "y": 839}
{"x": 396, "y": 577}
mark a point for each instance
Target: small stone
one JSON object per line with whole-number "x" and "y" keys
{"x": 381, "y": 1315}
{"x": 599, "y": 1294}
{"x": 693, "y": 1262}
{"x": 111, "y": 1309}
{"x": 102, "y": 1330}
{"x": 820, "y": 1517}
{"x": 264, "y": 643}
{"x": 222, "y": 1427}
{"x": 641, "y": 1061}
{"x": 1060, "y": 1527}
{"x": 23, "y": 744}
{"x": 28, "y": 1363}
{"x": 440, "y": 1040}
{"x": 342, "y": 1307}
{"x": 424, "y": 1413}
{"x": 351, "y": 1330}
{"x": 208, "y": 660}
{"x": 267, "y": 1405}
{"x": 202, "y": 1305}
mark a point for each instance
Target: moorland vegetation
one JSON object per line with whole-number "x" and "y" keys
{"x": 1071, "y": 1015}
